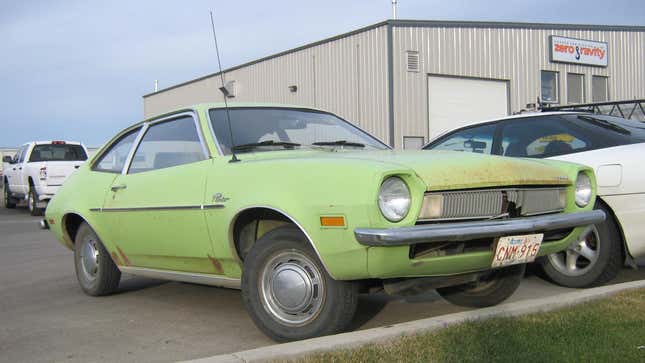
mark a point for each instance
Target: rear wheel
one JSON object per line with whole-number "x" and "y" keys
{"x": 491, "y": 289}
{"x": 288, "y": 293}
{"x": 32, "y": 202}
{"x": 593, "y": 259}
{"x": 8, "y": 201}
{"x": 95, "y": 271}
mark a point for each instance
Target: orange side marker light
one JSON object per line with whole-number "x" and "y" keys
{"x": 337, "y": 221}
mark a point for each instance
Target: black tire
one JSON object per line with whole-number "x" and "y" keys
{"x": 491, "y": 289}
{"x": 106, "y": 276}
{"x": 604, "y": 241}
{"x": 277, "y": 254}
{"x": 9, "y": 202}
{"x": 32, "y": 202}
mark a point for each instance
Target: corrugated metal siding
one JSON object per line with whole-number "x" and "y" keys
{"x": 515, "y": 54}
{"x": 347, "y": 76}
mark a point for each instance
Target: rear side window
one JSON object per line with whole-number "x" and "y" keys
{"x": 57, "y": 152}
{"x": 114, "y": 158}
{"x": 167, "y": 144}
{"x": 473, "y": 139}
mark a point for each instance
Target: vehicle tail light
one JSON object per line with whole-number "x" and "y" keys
{"x": 43, "y": 173}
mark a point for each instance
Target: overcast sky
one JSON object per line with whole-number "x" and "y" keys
{"x": 76, "y": 70}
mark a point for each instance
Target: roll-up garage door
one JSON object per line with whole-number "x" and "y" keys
{"x": 454, "y": 102}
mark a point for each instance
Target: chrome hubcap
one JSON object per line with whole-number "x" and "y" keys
{"x": 580, "y": 256}
{"x": 292, "y": 288}
{"x": 89, "y": 258}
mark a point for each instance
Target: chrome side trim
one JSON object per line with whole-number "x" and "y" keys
{"x": 191, "y": 277}
{"x": 463, "y": 231}
{"x": 311, "y": 241}
{"x": 161, "y": 208}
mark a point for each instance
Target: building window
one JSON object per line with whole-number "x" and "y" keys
{"x": 599, "y": 89}
{"x": 412, "y": 142}
{"x": 550, "y": 88}
{"x": 575, "y": 88}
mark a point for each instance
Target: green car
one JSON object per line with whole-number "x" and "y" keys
{"x": 303, "y": 211}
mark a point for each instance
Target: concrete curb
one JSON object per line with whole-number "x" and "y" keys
{"x": 355, "y": 339}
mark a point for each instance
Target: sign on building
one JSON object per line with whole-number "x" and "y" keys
{"x": 578, "y": 51}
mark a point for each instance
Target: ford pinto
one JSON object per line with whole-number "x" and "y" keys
{"x": 303, "y": 211}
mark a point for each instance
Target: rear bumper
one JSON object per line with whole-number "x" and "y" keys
{"x": 464, "y": 231}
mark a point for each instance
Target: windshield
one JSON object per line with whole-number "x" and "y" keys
{"x": 57, "y": 152}
{"x": 273, "y": 127}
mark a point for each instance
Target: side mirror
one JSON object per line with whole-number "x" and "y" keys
{"x": 7, "y": 159}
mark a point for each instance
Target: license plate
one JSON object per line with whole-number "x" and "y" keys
{"x": 512, "y": 250}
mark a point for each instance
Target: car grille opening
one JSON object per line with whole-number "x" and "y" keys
{"x": 442, "y": 249}
{"x": 491, "y": 203}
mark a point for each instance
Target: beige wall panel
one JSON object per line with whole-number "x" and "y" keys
{"x": 516, "y": 54}
{"x": 347, "y": 76}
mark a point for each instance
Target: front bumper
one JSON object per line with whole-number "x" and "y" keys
{"x": 464, "y": 231}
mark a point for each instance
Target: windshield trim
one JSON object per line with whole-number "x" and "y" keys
{"x": 304, "y": 109}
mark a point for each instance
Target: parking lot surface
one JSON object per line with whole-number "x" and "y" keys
{"x": 44, "y": 315}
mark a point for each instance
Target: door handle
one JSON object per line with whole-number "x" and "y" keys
{"x": 117, "y": 187}
{"x": 20, "y": 168}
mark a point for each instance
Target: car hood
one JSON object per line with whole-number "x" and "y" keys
{"x": 440, "y": 170}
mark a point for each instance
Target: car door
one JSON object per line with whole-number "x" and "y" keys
{"x": 155, "y": 207}
{"x": 19, "y": 170}
{"x": 12, "y": 173}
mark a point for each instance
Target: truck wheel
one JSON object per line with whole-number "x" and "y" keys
{"x": 32, "y": 202}
{"x": 95, "y": 271}
{"x": 288, "y": 293}
{"x": 491, "y": 289}
{"x": 592, "y": 260}
{"x": 9, "y": 202}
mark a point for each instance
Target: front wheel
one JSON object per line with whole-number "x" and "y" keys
{"x": 593, "y": 259}
{"x": 95, "y": 271}
{"x": 288, "y": 293}
{"x": 490, "y": 289}
{"x": 32, "y": 203}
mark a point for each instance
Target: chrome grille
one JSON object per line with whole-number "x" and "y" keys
{"x": 490, "y": 203}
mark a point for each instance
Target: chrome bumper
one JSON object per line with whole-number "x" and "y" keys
{"x": 463, "y": 231}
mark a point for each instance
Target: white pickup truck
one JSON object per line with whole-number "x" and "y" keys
{"x": 37, "y": 170}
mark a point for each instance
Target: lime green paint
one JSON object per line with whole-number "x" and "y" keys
{"x": 303, "y": 185}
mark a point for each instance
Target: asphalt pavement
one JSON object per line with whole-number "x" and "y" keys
{"x": 44, "y": 315}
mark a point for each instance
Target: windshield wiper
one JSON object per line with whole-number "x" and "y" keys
{"x": 338, "y": 143}
{"x": 605, "y": 124}
{"x": 286, "y": 145}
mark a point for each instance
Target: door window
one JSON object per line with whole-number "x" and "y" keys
{"x": 20, "y": 156}
{"x": 114, "y": 158}
{"x": 542, "y": 137}
{"x": 167, "y": 144}
{"x": 473, "y": 139}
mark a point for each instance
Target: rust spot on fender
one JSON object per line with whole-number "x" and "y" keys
{"x": 217, "y": 265}
{"x": 126, "y": 261}
{"x": 115, "y": 258}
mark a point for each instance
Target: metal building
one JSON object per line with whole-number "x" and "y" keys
{"x": 406, "y": 81}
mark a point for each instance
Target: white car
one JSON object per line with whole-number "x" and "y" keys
{"x": 37, "y": 170}
{"x": 613, "y": 146}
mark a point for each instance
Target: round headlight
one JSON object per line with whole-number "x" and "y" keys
{"x": 583, "y": 190}
{"x": 394, "y": 199}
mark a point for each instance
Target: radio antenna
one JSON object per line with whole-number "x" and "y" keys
{"x": 224, "y": 91}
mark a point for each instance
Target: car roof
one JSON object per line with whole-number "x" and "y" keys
{"x": 511, "y": 117}
{"x": 207, "y": 106}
